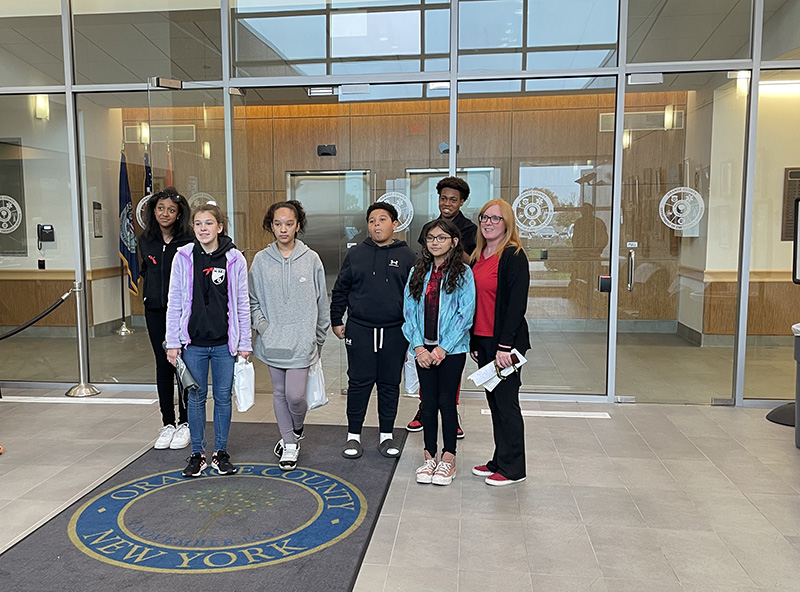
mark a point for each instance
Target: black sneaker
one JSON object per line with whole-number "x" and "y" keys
{"x": 197, "y": 464}
{"x": 278, "y": 449}
{"x": 221, "y": 462}
{"x": 415, "y": 425}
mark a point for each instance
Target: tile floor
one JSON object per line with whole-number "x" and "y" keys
{"x": 662, "y": 498}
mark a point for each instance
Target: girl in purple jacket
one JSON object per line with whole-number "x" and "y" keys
{"x": 208, "y": 286}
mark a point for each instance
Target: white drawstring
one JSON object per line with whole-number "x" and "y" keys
{"x": 377, "y": 339}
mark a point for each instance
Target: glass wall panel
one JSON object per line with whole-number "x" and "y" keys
{"x": 177, "y": 135}
{"x": 774, "y": 298}
{"x": 682, "y": 161}
{"x": 675, "y": 30}
{"x": 281, "y": 38}
{"x": 31, "y": 50}
{"x": 781, "y": 40}
{"x": 337, "y": 155}
{"x": 34, "y": 190}
{"x": 546, "y": 152}
{"x": 124, "y": 42}
{"x": 536, "y": 34}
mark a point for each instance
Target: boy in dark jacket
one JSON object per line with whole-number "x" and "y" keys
{"x": 370, "y": 289}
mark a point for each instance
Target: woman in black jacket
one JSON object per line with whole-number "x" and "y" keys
{"x": 502, "y": 278}
{"x": 167, "y": 227}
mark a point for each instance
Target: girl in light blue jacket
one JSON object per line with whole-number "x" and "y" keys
{"x": 439, "y": 306}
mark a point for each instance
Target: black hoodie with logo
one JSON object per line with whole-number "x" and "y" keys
{"x": 156, "y": 265}
{"x": 371, "y": 283}
{"x": 208, "y": 323}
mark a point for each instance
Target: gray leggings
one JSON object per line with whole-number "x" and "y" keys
{"x": 289, "y": 399}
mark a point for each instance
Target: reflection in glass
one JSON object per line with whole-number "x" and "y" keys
{"x": 773, "y": 307}
{"x": 282, "y": 39}
{"x": 683, "y": 153}
{"x": 663, "y": 31}
{"x": 31, "y": 44}
{"x": 184, "y": 127}
{"x": 34, "y": 189}
{"x": 122, "y": 42}
{"x": 781, "y": 25}
{"x": 551, "y": 161}
{"x": 490, "y": 24}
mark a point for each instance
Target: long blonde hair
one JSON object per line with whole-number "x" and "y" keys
{"x": 511, "y": 237}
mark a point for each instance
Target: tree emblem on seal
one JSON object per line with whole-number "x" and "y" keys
{"x": 126, "y": 233}
{"x": 10, "y": 214}
{"x": 681, "y": 208}
{"x": 533, "y": 209}
{"x": 401, "y": 203}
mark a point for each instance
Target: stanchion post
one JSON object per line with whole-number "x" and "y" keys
{"x": 84, "y": 388}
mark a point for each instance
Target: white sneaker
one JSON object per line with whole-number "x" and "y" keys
{"x": 181, "y": 438}
{"x": 288, "y": 460}
{"x": 165, "y": 436}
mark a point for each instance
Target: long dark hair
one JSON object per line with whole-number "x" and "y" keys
{"x": 452, "y": 268}
{"x": 292, "y": 205}
{"x": 183, "y": 224}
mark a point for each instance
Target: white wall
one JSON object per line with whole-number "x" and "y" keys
{"x": 100, "y": 131}
{"x": 778, "y": 147}
{"x": 46, "y": 174}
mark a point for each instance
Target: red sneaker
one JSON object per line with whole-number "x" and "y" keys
{"x": 415, "y": 425}
{"x": 481, "y": 471}
{"x": 497, "y": 480}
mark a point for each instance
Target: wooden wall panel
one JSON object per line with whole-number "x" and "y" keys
{"x": 772, "y": 308}
{"x": 556, "y": 102}
{"x": 484, "y": 105}
{"x": 295, "y": 146}
{"x": 485, "y": 140}
{"x": 399, "y": 139}
{"x": 651, "y": 297}
{"x": 21, "y": 300}
{"x": 439, "y": 132}
{"x": 260, "y": 155}
{"x": 554, "y": 135}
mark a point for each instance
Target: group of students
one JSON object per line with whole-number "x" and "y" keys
{"x": 466, "y": 293}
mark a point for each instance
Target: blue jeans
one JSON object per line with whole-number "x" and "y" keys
{"x": 197, "y": 359}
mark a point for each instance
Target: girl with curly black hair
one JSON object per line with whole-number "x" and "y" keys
{"x": 438, "y": 305}
{"x": 168, "y": 225}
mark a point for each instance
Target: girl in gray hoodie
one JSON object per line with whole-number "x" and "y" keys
{"x": 290, "y": 314}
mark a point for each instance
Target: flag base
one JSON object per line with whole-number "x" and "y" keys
{"x": 124, "y": 330}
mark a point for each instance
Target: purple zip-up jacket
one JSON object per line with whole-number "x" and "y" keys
{"x": 179, "y": 304}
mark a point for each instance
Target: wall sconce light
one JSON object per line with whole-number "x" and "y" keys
{"x": 669, "y": 117}
{"x": 626, "y": 139}
{"x": 444, "y": 148}
{"x": 207, "y": 150}
{"x": 42, "y": 107}
{"x": 144, "y": 133}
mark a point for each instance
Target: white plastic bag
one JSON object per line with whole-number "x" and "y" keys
{"x": 410, "y": 373}
{"x": 244, "y": 384}
{"x": 315, "y": 386}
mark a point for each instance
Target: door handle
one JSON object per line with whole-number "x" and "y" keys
{"x": 631, "y": 269}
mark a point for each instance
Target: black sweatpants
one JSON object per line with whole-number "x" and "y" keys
{"x": 165, "y": 372}
{"x": 507, "y": 425}
{"x": 374, "y": 356}
{"x": 438, "y": 389}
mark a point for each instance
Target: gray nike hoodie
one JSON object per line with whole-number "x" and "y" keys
{"x": 289, "y": 306}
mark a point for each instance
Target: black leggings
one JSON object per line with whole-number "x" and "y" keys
{"x": 165, "y": 372}
{"x": 438, "y": 389}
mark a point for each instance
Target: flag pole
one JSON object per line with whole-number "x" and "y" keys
{"x": 124, "y": 330}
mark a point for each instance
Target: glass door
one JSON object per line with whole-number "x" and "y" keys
{"x": 683, "y": 146}
{"x": 549, "y": 148}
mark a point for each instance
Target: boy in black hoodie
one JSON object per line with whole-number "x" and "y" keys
{"x": 370, "y": 289}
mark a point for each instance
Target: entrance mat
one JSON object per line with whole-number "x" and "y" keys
{"x": 148, "y": 528}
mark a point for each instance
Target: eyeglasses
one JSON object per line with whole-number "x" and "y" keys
{"x": 439, "y": 238}
{"x": 492, "y": 219}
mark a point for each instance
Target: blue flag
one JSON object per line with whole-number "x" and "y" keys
{"x": 127, "y": 236}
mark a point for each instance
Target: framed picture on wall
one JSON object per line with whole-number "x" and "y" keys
{"x": 12, "y": 199}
